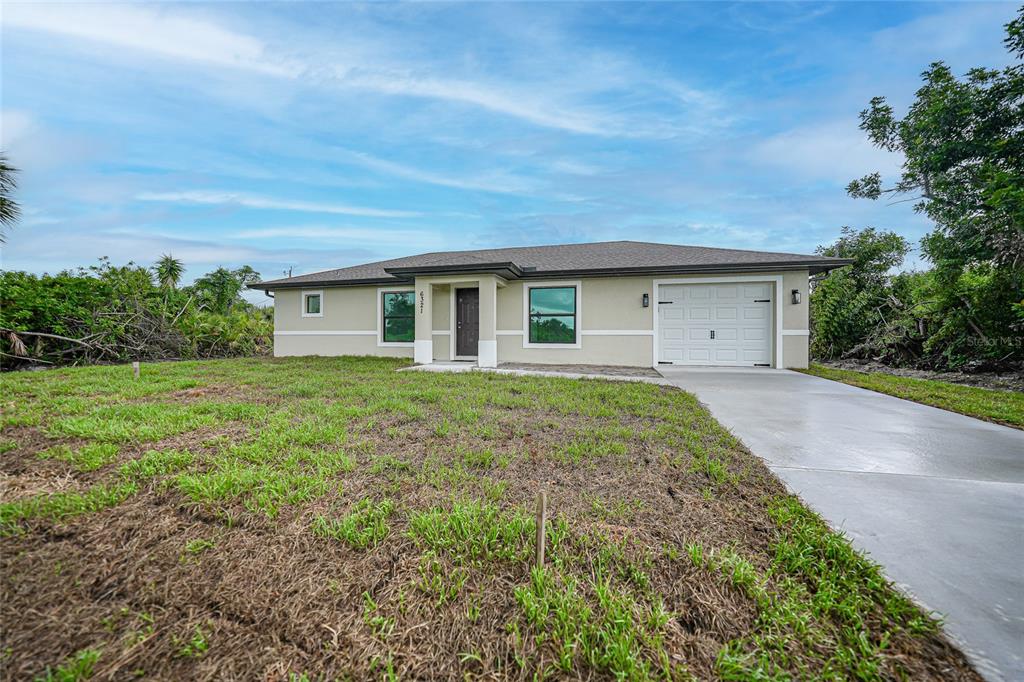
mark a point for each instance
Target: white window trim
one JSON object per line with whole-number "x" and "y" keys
{"x": 312, "y": 292}
{"x": 381, "y": 343}
{"x": 774, "y": 279}
{"x": 579, "y": 313}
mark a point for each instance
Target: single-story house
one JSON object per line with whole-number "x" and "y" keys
{"x": 608, "y": 303}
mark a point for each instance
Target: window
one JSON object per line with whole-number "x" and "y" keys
{"x": 553, "y": 315}
{"x": 399, "y": 316}
{"x": 312, "y": 304}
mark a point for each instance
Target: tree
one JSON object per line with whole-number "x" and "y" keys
{"x": 962, "y": 141}
{"x": 963, "y": 145}
{"x": 9, "y": 209}
{"x": 221, "y": 289}
{"x": 851, "y": 304}
{"x": 168, "y": 271}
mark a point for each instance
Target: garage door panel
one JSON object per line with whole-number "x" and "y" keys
{"x": 697, "y": 293}
{"x": 698, "y": 354}
{"x": 740, "y": 315}
{"x": 727, "y": 293}
{"x": 756, "y": 291}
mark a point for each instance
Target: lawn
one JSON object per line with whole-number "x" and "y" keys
{"x": 1001, "y": 407}
{"x": 305, "y": 519}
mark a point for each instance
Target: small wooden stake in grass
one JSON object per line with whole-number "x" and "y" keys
{"x": 542, "y": 517}
{"x": 135, "y": 368}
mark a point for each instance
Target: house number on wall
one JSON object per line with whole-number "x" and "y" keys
{"x": 422, "y": 300}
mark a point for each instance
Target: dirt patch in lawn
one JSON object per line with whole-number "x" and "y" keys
{"x": 1010, "y": 380}
{"x": 597, "y": 370}
{"x": 380, "y": 524}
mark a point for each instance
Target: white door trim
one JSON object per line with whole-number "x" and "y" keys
{"x": 775, "y": 279}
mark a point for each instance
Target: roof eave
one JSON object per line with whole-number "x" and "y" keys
{"x": 510, "y": 271}
{"x": 306, "y": 284}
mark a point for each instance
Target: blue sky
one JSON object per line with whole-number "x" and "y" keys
{"x": 313, "y": 136}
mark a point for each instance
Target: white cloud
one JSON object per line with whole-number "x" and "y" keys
{"x": 487, "y": 182}
{"x": 255, "y": 201}
{"x": 835, "y": 151}
{"x": 407, "y": 238}
{"x": 558, "y": 100}
{"x": 15, "y": 126}
{"x": 161, "y": 31}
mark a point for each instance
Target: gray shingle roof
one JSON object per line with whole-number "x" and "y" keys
{"x": 609, "y": 258}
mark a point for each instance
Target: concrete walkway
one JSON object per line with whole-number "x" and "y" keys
{"x": 937, "y": 498}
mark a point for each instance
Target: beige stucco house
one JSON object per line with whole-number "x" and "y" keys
{"x": 609, "y": 303}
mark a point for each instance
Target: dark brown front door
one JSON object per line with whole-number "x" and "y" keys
{"x": 467, "y": 321}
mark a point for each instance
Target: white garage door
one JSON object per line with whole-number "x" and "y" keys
{"x": 715, "y": 324}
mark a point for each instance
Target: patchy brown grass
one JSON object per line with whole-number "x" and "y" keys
{"x": 335, "y": 519}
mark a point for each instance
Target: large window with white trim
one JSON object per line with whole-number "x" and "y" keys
{"x": 399, "y": 316}
{"x": 552, "y": 314}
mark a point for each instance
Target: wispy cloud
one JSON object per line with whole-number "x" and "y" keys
{"x": 262, "y": 202}
{"x": 832, "y": 151}
{"x": 488, "y": 182}
{"x": 160, "y": 31}
{"x": 408, "y": 238}
{"x": 171, "y": 32}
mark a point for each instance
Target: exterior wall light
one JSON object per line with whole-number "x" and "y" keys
{"x": 796, "y": 297}
{"x": 647, "y": 300}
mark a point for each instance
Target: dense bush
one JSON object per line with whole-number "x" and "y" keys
{"x": 921, "y": 319}
{"x": 108, "y": 313}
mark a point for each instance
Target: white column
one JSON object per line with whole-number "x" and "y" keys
{"x": 487, "y": 350}
{"x": 423, "y": 348}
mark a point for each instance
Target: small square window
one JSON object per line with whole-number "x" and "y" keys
{"x": 312, "y": 304}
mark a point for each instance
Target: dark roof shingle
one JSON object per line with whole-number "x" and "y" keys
{"x": 612, "y": 258}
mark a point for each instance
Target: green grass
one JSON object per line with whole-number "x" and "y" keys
{"x": 1002, "y": 407}
{"x": 76, "y": 668}
{"x": 473, "y": 530}
{"x": 365, "y": 526}
{"x": 89, "y": 457}
{"x": 63, "y": 506}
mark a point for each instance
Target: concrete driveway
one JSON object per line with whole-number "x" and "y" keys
{"x": 935, "y": 497}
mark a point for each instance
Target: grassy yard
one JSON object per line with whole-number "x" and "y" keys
{"x": 1002, "y": 407}
{"x": 311, "y": 519}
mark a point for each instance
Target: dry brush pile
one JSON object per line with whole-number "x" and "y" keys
{"x": 331, "y": 518}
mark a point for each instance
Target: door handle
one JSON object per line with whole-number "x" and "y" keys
{"x": 712, "y": 333}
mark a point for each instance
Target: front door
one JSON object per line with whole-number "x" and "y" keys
{"x": 467, "y": 322}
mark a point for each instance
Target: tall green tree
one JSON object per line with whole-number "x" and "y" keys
{"x": 168, "y": 271}
{"x": 962, "y": 141}
{"x": 9, "y": 209}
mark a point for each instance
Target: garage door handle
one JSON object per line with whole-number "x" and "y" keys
{"x": 712, "y": 333}
{"x": 665, "y": 302}
{"x": 762, "y": 300}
